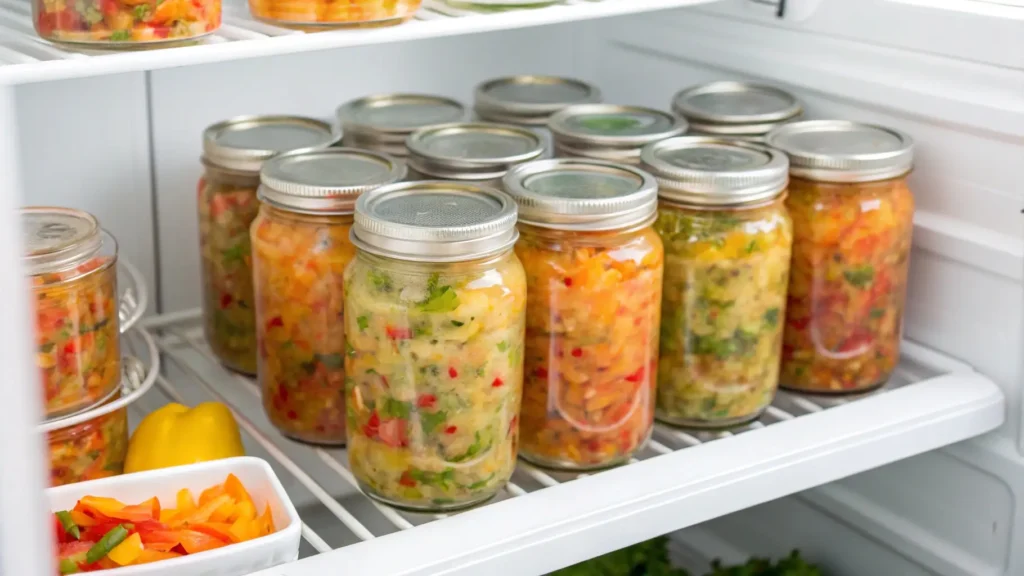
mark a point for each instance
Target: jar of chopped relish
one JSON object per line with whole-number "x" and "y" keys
{"x": 314, "y": 15}
{"x": 593, "y": 275}
{"x": 727, "y": 248}
{"x": 233, "y": 152}
{"x": 610, "y": 132}
{"x": 89, "y": 450}
{"x": 300, "y": 243}
{"x": 736, "y": 110}
{"x": 71, "y": 263}
{"x": 852, "y": 221}
{"x": 529, "y": 101}
{"x": 470, "y": 152}
{"x": 434, "y": 308}
{"x": 383, "y": 122}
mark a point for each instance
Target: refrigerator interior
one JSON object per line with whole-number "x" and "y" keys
{"x": 126, "y": 147}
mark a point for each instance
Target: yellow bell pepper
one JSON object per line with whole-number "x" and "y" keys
{"x": 127, "y": 551}
{"x": 176, "y": 435}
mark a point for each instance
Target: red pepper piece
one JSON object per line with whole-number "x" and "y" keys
{"x": 451, "y": 430}
{"x": 407, "y": 480}
{"x": 567, "y": 282}
{"x": 452, "y": 372}
{"x": 225, "y": 300}
{"x": 577, "y": 353}
{"x": 636, "y": 376}
{"x": 541, "y": 372}
{"x": 393, "y": 433}
{"x": 398, "y": 333}
{"x": 498, "y": 382}
{"x": 275, "y": 322}
{"x": 426, "y": 401}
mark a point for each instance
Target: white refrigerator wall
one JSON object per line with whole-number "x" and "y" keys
{"x": 126, "y": 147}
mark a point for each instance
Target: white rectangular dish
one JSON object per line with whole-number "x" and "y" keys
{"x": 233, "y": 560}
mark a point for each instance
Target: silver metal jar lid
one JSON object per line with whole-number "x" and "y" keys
{"x": 709, "y": 171}
{"x": 735, "y": 108}
{"x": 842, "y": 151}
{"x": 58, "y": 239}
{"x": 611, "y": 132}
{"x": 471, "y": 151}
{"x": 389, "y": 118}
{"x": 577, "y": 194}
{"x": 246, "y": 142}
{"x": 530, "y": 100}
{"x": 325, "y": 181}
{"x": 435, "y": 221}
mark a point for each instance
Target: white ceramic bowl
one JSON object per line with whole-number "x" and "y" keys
{"x": 233, "y": 560}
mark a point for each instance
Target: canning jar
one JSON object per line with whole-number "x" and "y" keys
{"x": 727, "y": 249}
{"x": 852, "y": 221}
{"x": 610, "y": 132}
{"x": 470, "y": 152}
{"x": 321, "y": 14}
{"x": 434, "y": 308}
{"x": 71, "y": 262}
{"x": 95, "y": 448}
{"x": 736, "y": 110}
{"x": 383, "y": 122}
{"x": 125, "y": 24}
{"x": 300, "y": 242}
{"x": 593, "y": 275}
{"x": 529, "y": 101}
{"x": 233, "y": 152}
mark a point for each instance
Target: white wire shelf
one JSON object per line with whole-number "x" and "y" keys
{"x": 24, "y": 57}
{"x": 543, "y": 521}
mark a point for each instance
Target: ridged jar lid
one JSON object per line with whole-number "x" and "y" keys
{"x": 610, "y": 131}
{"x": 530, "y": 99}
{"x": 435, "y": 221}
{"x": 735, "y": 108}
{"x": 842, "y": 151}
{"x": 709, "y": 171}
{"x": 471, "y": 151}
{"x": 586, "y": 195}
{"x": 244, "y": 143}
{"x": 58, "y": 239}
{"x": 392, "y": 117}
{"x": 325, "y": 181}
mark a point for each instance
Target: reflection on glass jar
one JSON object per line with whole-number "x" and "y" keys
{"x": 321, "y": 14}
{"x": 90, "y": 450}
{"x": 233, "y": 152}
{"x": 301, "y": 247}
{"x": 851, "y": 252}
{"x": 594, "y": 270}
{"x": 727, "y": 250}
{"x": 434, "y": 319}
{"x": 125, "y": 24}
{"x": 72, "y": 266}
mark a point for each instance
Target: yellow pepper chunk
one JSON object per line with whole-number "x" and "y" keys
{"x": 128, "y": 551}
{"x": 176, "y": 435}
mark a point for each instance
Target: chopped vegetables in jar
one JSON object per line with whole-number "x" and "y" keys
{"x": 298, "y": 266}
{"x": 101, "y": 533}
{"x": 435, "y": 373}
{"x": 333, "y": 13}
{"x": 226, "y": 211}
{"x": 90, "y": 450}
{"x": 722, "y": 313}
{"x": 125, "y": 23}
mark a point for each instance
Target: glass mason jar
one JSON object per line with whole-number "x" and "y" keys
{"x": 610, "y": 132}
{"x": 383, "y": 122}
{"x": 233, "y": 152}
{"x": 71, "y": 263}
{"x": 301, "y": 246}
{"x": 736, "y": 110}
{"x": 434, "y": 308}
{"x": 727, "y": 240}
{"x": 853, "y": 220}
{"x": 125, "y": 24}
{"x": 470, "y": 152}
{"x": 593, "y": 275}
{"x": 321, "y": 14}
{"x": 95, "y": 448}
{"x": 529, "y": 101}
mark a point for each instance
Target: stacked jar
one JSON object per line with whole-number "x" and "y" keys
{"x": 736, "y": 110}
{"x": 610, "y": 132}
{"x": 435, "y": 302}
{"x": 530, "y": 101}
{"x": 233, "y": 153}
{"x": 72, "y": 264}
{"x": 300, "y": 248}
{"x": 384, "y": 122}
{"x": 728, "y": 242}
{"x": 853, "y": 220}
{"x": 594, "y": 276}
{"x": 470, "y": 152}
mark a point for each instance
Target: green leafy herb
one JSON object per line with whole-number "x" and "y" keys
{"x": 752, "y": 246}
{"x": 381, "y": 281}
{"x": 120, "y": 35}
{"x": 396, "y": 409}
{"x": 68, "y": 524}
{"x": 481, "y": 483}
{"x": 877, "y": 313}
{"x": 475, "y": 448}
{"x": 430, "y": 421}
{"x": 502, "y": 346}
{"x": 141, "y": 12}
{"x": 458, "y": 324}
{"x": 363, "y": 322}
{"x": 444, "y": 479}
{"x": 771, "y": 317}
{"x": 334, "y": 361}
{"x": 439, "y": 298}
{"x": 48, "y": 347}
{"x": 860, "y": 277}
